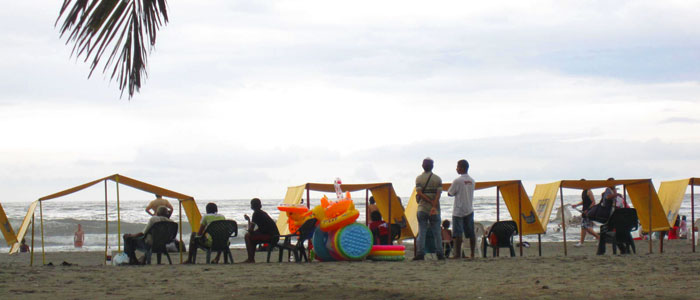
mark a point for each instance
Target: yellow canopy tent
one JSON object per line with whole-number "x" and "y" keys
{"x": 516, "y": 199}
{"x": 387, "y": 201}
{"x": 185, "y": 201}
{"x": 671, "y": 194}
{"x": 6, "y": 228}
{"x": 641, "y": 192}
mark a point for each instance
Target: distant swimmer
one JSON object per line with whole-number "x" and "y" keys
{"x": 79, "y": 237}
{"x": 159, "y": 201}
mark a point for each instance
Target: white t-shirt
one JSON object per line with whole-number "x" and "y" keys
{"x": 463, "y": 190}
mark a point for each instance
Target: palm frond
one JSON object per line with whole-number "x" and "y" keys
{"x": 96, "y": 26}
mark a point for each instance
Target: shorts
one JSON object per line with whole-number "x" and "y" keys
{"x": 260, "y": 238}
{"x": 463, "y": 226}
{"x": 586, "y": 223}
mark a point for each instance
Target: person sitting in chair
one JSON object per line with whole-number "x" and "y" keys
{"x": 198, "y": 238}
{"x": 134, "y": 241}
{"x": 379, "y": 228}
{"x": 261, "y": 230}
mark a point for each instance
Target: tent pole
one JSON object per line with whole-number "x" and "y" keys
{"x": 119, "y": 219}
{"x": 539, "y": 243}
{"x": 106, "y": 224}
{"x": 31, "y": 259}
{"x": 692, "y": 210}
{"x": 308, "y": 198}
{"x": 520, "y": 220}
{"x": 388, "y": 190}
{"x": 179, "y": 248}
{"x": 498, "y": 203}
{"x": 651, "y": 231}
{"x": 366, "y": 207}
{"x": 563, "y": 221}
{"x": 41, "y": 219}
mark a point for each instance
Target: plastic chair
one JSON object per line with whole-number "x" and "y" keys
{"x": 500, "y": 236}
{"x": 162, "y": 233}
{"x": 617, "y": 231}
{"x": 298, "y": 250}
{"x": 220, "y": 231}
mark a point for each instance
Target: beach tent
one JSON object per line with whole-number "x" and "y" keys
{"x": 641, "y": 192}
{"x": 185, "y": 201}
{"x": 6, "y": 228}
{"x": 517, "y": 202}
{"x": 384, "y": 195}
{"x": 671, "y": 194}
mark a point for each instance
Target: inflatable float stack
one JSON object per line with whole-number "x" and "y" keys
{"x": 337, "y": 237}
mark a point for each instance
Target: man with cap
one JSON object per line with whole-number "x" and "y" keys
{"x": 428, "y": 190}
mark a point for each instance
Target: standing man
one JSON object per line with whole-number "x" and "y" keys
{"x": 428, "y": 190}
{"x": 261, "y": 229}
{"x": 587, "y": 200}
{"x": 462, "y": 189}
{"x": 159, "y": 201}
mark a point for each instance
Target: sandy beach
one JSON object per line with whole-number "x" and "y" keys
{"x": 581, "y": 274}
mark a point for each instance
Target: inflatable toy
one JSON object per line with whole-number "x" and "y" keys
{"x": 353, "y": 242}
{"x": 387, "y": 258}
{"x": 319, "y": 240}
{"x": 297, "y": 214}
{"x": 387, "y": 253}
{"x": 341, "y": 221}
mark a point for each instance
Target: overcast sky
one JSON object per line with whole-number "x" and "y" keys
{"x": 245, "y": 98}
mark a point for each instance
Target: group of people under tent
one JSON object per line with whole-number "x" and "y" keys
{"x": 261, "y": 230}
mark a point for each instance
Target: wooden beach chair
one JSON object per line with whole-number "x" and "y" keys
{"x": 161, "y": 233}
{"x": 298, "y": 250}
{"x": 220, "y": 232}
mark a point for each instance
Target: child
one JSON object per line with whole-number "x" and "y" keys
{"x": 683, "y": 229}
{"x": 447, "y": 237}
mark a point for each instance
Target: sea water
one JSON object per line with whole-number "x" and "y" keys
{"x": 61, "y": 219}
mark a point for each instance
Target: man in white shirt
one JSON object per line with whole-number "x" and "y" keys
{"x": 462, "y": 189}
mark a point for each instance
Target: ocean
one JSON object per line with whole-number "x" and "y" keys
{"x": 61, "y": 218}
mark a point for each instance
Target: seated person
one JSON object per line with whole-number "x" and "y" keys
{"x": 23, "y": 247}
{"x": 199, "y": 239}
{"x": 379, "y": 229}
{"x": 159, "y": 201}
{"x": 447, "y": 237}
{"x": 673, "y": 233}
{"x": 137, "y": 241}
{"x": 372, "y": 207}
{"x": 261, "y": 230}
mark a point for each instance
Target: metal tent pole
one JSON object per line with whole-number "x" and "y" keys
{"x": 41, "y": 218}
{"x": 180, "y": 246}
{"x": 106, "y": 224}
{"x": 31, "y": 259}
{"x": 692, "y": 210}
{"x": 308, "y": 198}
{"x": 388, "y": 190}
{"x": 119, "y": 219}
{"x": 366, "y": 207}
{"x": 520, "y": 220}
{"x": 651, "y": 228}
{"x": 539, "y": 243}
{"x": 498, "y": 203}
{"x": 563, "y": 221}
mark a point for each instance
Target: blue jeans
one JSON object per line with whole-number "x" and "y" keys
{"x": 427, "y": 222}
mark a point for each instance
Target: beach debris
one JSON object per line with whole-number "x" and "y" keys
{"x": 545, "y": 287}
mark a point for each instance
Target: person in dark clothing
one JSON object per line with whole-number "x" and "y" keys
{"x": 261, "y": 229}
{"x": 587, "y": 200}
{"x": 379, "y": 229}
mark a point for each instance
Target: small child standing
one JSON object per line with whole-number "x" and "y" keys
{"x": 447, "y": 237}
